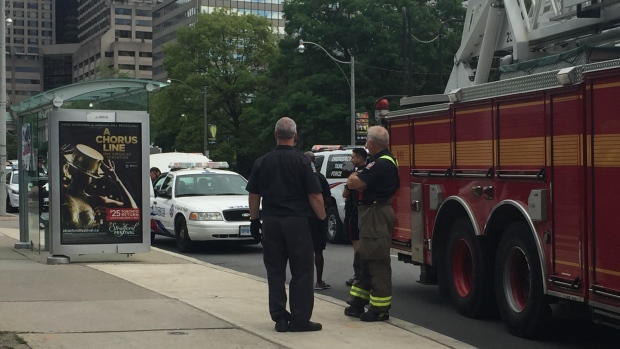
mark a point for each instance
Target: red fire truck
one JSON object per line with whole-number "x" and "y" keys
{"x": 508, "y": 188}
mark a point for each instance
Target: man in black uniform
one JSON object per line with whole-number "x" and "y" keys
{"x": 378, "y": 182}
{"x": 287, "y": 183}
{"x": 358, "y": 158}
{"x": 318, "y": 229}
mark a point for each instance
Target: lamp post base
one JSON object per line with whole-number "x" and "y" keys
{"x": 58, "y": 259}
{"x": 23, "y": 246}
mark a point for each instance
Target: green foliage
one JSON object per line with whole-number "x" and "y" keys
{"x": 313, "y": 90}
{"x": 230, "y": 54}
{"x": 254, "y": 81}
{"x": 11, "y": 145}
{"x": 106, "y": 72}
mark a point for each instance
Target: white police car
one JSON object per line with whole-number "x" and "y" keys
{"x": 334, "y": 162}
{"x": 198, "y": 202}
{"x": 12, "y": 189}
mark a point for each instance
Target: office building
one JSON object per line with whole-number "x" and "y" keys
{"x": 114, "y": 36}
{"x": 169, "y": 15}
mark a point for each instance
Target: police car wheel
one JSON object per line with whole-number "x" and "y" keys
{"x": 334, "y": 226}
{"x": 183, "y": 241}
{"x": 9, "y": 207}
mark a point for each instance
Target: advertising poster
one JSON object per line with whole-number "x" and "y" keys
{"x": 28, "y": 155}
{"x": 361, "y": 128}
{"x": 211, "y": 134}
{"x": 100, "y": 182}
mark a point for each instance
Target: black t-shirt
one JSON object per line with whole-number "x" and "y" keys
{"x": 351, "y": 203}
{"x": 324, "y": 190}
{"x": 324, "y": 186}
{"x": 283, "y": 178}
{"x": 381, "y": 178}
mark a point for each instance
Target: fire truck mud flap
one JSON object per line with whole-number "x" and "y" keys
{"x": 519, "y": 288}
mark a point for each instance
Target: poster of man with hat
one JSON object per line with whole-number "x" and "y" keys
{"x": 100, "y": 182}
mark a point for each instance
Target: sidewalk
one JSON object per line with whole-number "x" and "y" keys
{"x": 166, "y": 300}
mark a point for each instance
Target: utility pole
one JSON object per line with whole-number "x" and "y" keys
{"x": 2, "y": 106}
{"x": 206, "y": 123}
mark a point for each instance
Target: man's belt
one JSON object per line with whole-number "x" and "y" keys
{"x": 375, "y": 202}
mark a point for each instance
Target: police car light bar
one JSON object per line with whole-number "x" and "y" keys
{"x": 198, "y": 165}
{"x": 319, "y": 147}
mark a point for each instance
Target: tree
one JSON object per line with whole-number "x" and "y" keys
{"x": 313, "y": 90}
{"x": 106, "y": 72}
{"x": 230, "y": 54}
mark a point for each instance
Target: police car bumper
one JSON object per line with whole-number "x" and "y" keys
{"x": 219, "y": 231}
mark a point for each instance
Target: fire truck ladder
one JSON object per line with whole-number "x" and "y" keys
{"x": 507, "y": 29}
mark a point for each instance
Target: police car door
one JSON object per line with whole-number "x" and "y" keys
{"x": 162, "y": 203}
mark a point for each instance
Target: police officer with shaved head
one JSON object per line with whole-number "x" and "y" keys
{"x": 286, "y": 183}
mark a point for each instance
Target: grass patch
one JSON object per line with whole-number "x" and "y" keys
{"x": 19, "y": 339}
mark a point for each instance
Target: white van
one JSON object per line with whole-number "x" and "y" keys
{"x": 162, "y": 160}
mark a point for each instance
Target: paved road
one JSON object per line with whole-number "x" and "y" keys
{"x": 415, "y": 303}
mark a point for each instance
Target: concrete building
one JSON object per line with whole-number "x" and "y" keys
{"x": 168, "y": 15}
{"x": 32, "y": 28}
{"x": 52, "y": 43}
{"x": 115, "y": 36}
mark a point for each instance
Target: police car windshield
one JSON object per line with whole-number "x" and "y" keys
{"x": 206, "y": 184}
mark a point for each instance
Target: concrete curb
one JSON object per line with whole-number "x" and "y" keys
{"x": 409, "y": 327}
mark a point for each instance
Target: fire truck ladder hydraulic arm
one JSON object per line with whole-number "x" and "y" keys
{"x": 496, "y": 28}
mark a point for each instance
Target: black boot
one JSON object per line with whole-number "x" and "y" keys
{"x": 309, "y": 326}
{"x": 353, "y": 311}
{"x": 371, "y": 316}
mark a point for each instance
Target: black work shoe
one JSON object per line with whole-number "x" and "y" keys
{"x": 310, "y": 326}
{"x": 282, "y": 325}
{"x": 349, "y": 282}
{"x": 371, "y": 316}
{"x": 353, "y": 311}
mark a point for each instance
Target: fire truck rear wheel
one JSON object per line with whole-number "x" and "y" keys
{"x": 518, "y": 283}
{"x": 469, "y": 269}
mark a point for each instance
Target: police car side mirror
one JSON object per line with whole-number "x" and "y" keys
{"x": 163, "y": 193}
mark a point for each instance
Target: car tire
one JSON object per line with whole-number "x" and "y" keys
{"x": 183, "y": 241}
{"x": 9, "y": 207}
{"x": 334, "y": 226}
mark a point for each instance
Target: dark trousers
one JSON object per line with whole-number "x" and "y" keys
{"x": 287, "y": 239}
{"x": 351, "y": 222}
{"x": 375, "y": 286}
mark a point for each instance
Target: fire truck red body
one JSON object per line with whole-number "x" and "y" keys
{"x": 509, "y": 194}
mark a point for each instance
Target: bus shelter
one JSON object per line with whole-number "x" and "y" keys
{"x": 33, "y": 118}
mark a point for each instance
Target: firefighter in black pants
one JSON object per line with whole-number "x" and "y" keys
{"x": 358, "y": 158}
{"x": 378, "y": 182}
{"x": 286, "y": 182}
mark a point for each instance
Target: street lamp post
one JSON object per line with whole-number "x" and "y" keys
{"x": 4, "y": 22}
{"x": 205, "y": 124}
{"x": 301, "y": 48}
